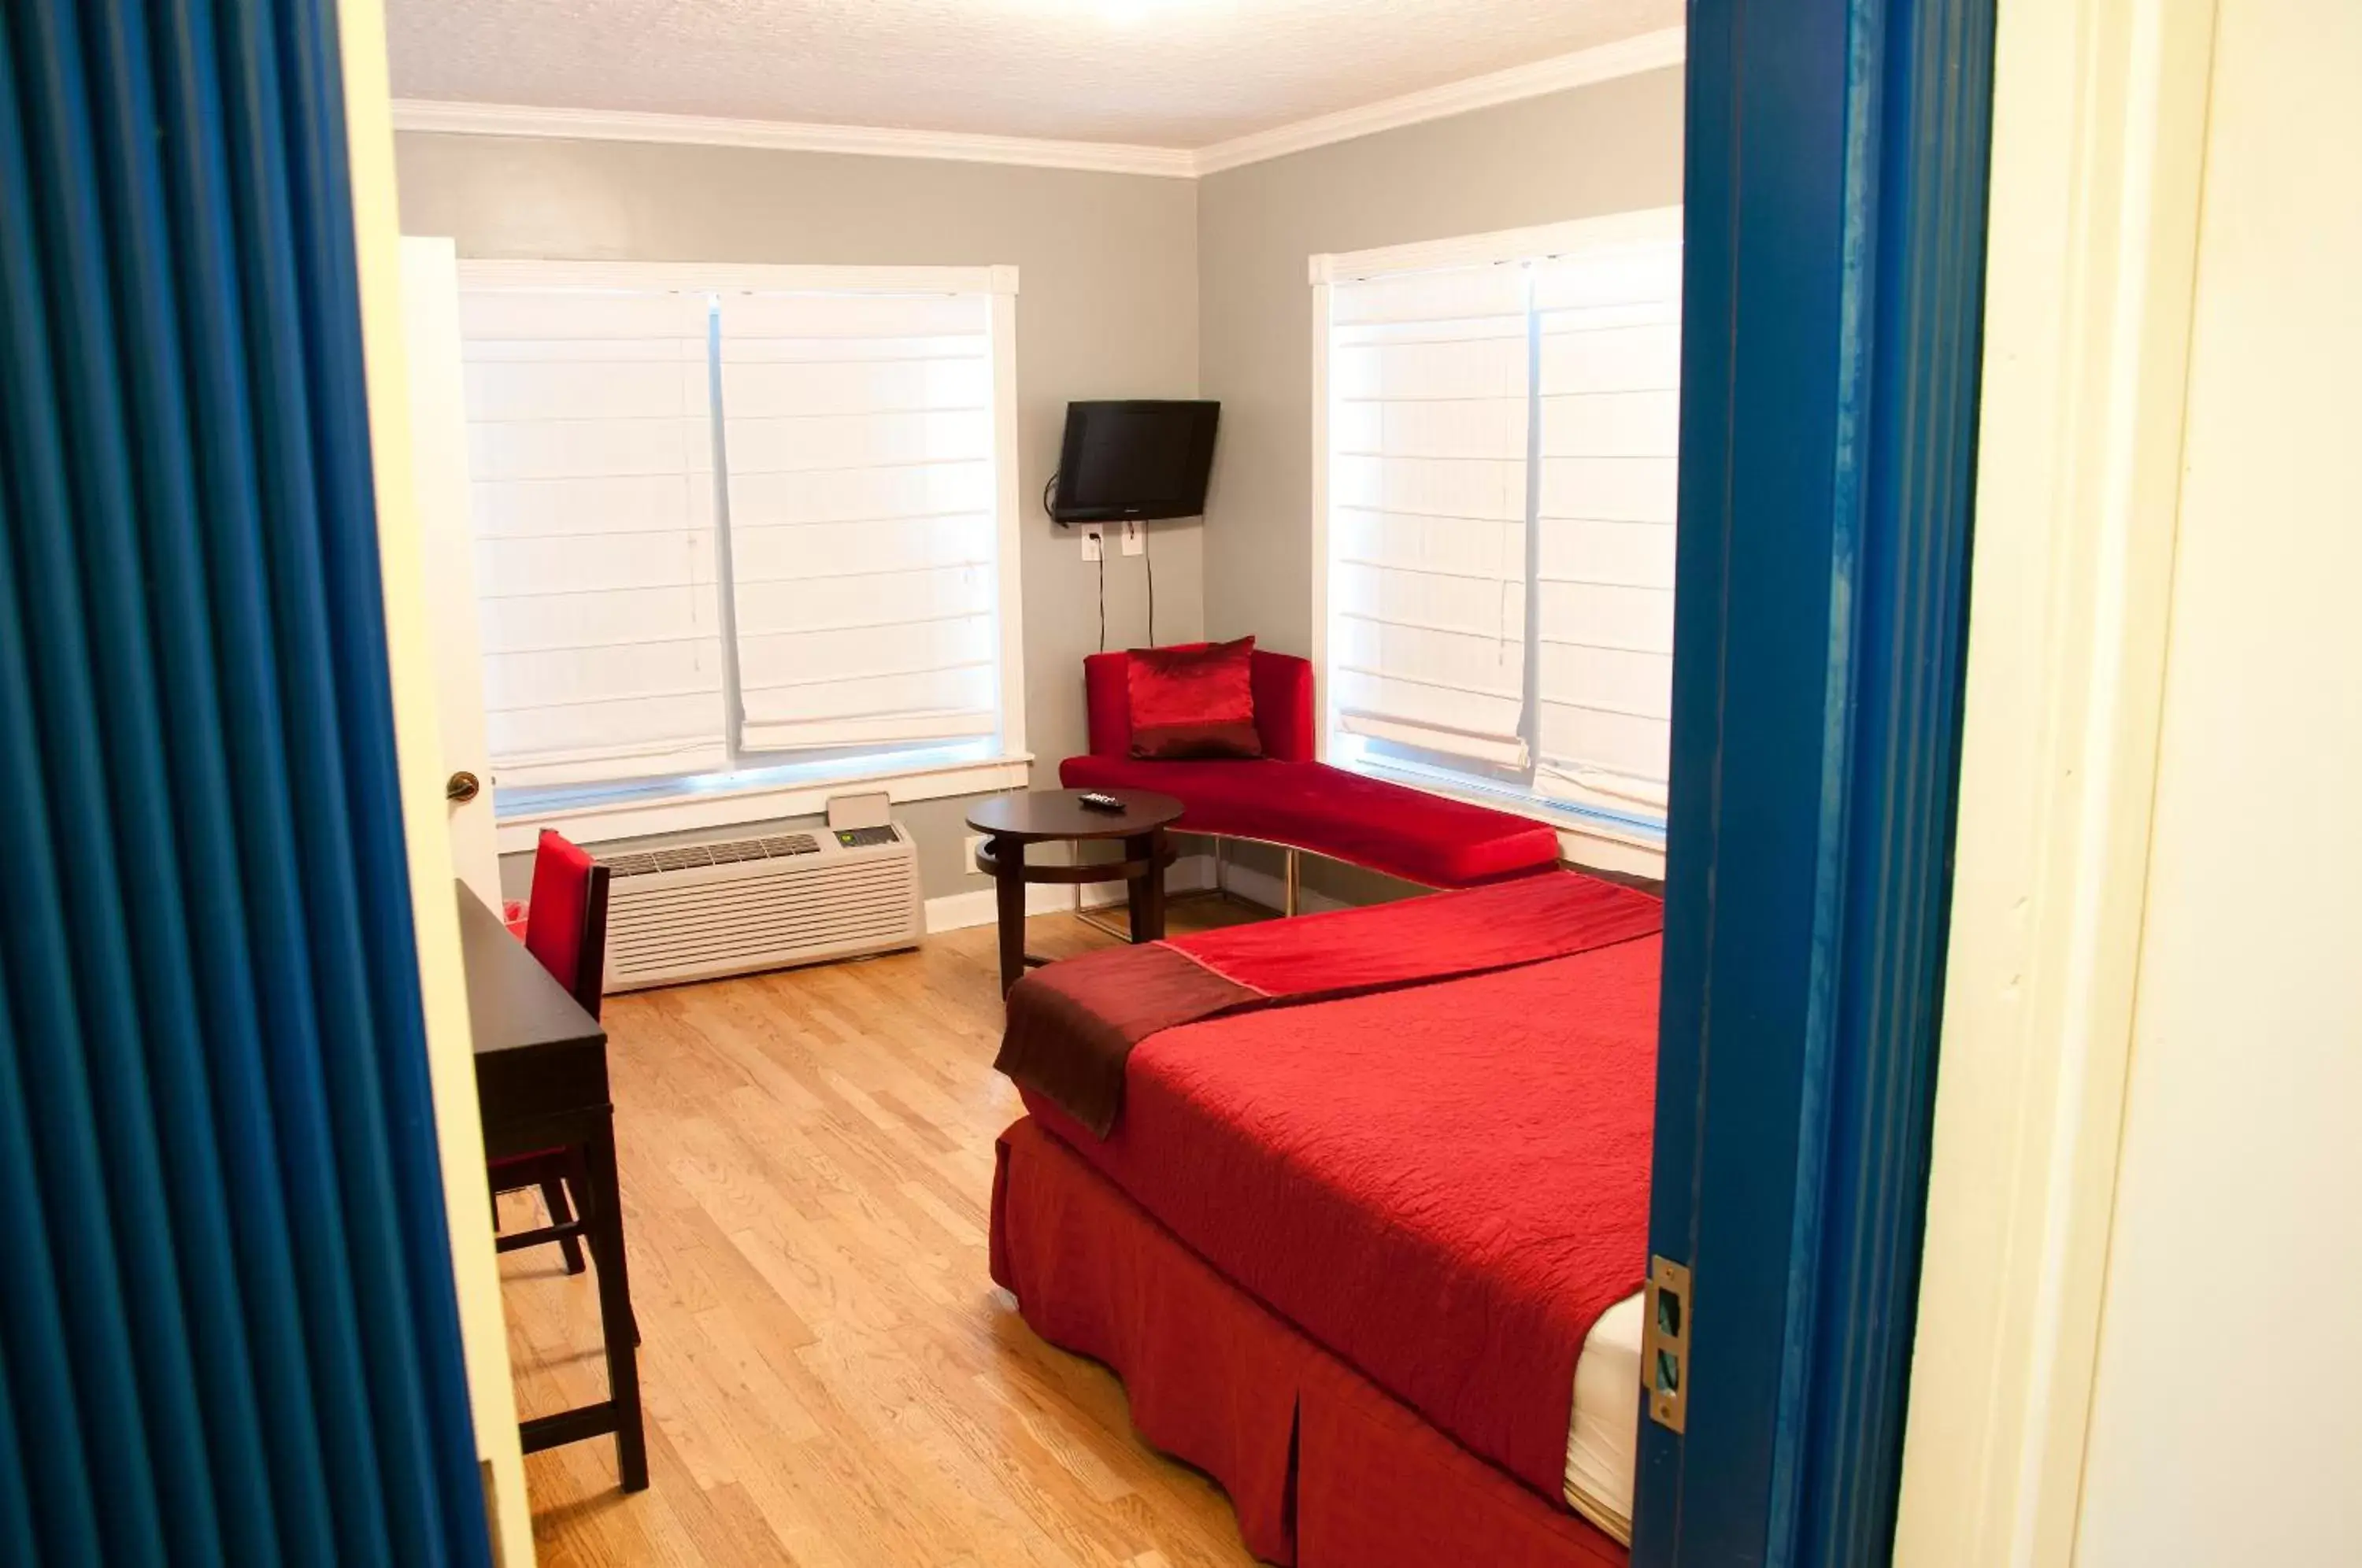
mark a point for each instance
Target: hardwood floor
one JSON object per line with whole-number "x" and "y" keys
{"x": 831, "y": 1375}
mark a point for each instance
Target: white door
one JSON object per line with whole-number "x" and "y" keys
{"x": 430, "y": 308}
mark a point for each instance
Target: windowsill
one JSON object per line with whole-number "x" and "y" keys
{"x": 1583, "y": 838}
{"x": 687, "y": 811}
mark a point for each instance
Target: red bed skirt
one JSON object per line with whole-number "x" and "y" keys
{"x": 1325, "y": 1470}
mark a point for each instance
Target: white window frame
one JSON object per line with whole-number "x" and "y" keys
{"x": 767, "y": 794}
{"x": 1585, "y": 840}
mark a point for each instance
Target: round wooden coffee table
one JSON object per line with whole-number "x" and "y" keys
{"x": 1009, "y": 822}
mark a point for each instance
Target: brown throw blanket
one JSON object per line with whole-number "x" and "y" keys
{"x": 1072, "y": 1025}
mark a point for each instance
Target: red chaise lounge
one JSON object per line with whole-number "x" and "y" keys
{"x": 1287, "y": 797}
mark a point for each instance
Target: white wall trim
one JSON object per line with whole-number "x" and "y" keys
{"x": 1626, "y": 57}
{"x": 1326, "y": 689}
{"x": 1606, "y": 851}
{"x": 1604, "y": 62}
{"x": 731, "y": 277}
{"x": 1642, "y": 225}
{"x": 1008, "y": 550}
{"x": 605, "y": 821}
{"x": 785, "y": 136}
{"x": 2098, "y": 152}
{"x": 956, "y": 912}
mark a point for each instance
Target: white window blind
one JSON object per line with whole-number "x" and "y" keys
{"x": 1428, "y": 382}
{"x": 1610, "y": 397}
{"x": 740, "y": 526}
{"x": 1500, "y": 469}
{"x": 590, "y": 457}
{"x": 859, "y": 437}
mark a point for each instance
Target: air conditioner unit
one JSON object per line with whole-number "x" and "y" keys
{"x": 701, "y": 911}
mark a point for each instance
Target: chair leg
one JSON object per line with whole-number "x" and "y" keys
{"x": 554, "y": 1175}
{"x": 579, "y": 1173}
{"x": 1292, "y": 873}
{"x": 562, "y": 1212}
{"x": 602, "y": 1208}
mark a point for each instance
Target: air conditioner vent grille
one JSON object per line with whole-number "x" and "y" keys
{"x": 702, "y": 910}
{"x": 691, "y": 856}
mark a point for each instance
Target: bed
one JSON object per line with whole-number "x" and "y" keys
{"x": 1365, "y": 1231}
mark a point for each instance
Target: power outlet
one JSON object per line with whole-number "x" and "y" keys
{"x": 1094, "y": 542}
{"x": 1135, "y": 536}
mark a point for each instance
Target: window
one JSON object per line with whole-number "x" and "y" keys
{"x": 1499, "y": 456}
{"x": 739, "y": 525}
{"x": 591, "y": 481}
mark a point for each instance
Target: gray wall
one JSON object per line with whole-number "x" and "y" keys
{"x": 1107, "y": 308}
{"x": 1612, "y": 146}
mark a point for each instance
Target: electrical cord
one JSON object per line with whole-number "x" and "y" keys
{"x": 1047, "y": 491}
{"x": 1148, "y": 558}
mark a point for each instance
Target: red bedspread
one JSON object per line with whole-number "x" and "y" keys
{"x": 1414, "y": 942}
{"x": 1445, "y": 1185}
{"x": 1073, "y": 1025}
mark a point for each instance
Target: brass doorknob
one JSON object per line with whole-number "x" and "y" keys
{"x": 462, "y": 787}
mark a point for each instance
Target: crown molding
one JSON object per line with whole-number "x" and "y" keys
{"x": 623, "y": 125}
{"x": 534, "y": 275}
{"x": 1626, "y": 57}
{"x": 1647, "y": 226}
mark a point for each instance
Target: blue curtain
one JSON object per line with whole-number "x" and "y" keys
{"x": 226, "y": 1296}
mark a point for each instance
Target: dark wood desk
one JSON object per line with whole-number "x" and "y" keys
{"x": 541, "y": 1083}
{"x": 1014, "y": 820}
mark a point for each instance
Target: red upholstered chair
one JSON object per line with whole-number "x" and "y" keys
{"x": 565, "y": 929}
{"x": 1288, "y": 798}
{"x": 565, "y": 919}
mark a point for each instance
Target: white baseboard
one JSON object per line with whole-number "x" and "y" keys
{"x": 980, "y": 907}
{"x": 1598, "y": 852}
{"x": 954, "y": 910}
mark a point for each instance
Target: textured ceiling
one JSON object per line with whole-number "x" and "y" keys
{"x": 1160, "y": 72}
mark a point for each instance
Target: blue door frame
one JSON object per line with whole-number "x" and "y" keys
{"x": 1833, "y": 297}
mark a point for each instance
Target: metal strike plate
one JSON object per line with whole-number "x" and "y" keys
{"x": 1665, "y": 1344}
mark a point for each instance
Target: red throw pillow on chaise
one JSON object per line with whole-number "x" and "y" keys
{"x": 1193, "y": 701}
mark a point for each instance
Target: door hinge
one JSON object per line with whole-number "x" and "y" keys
{"x": 1665, "y": 1343}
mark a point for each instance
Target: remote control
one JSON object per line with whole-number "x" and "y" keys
{"x": 1094, "y": 801}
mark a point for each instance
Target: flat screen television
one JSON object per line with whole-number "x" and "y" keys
{"x": 1137, "y": 459}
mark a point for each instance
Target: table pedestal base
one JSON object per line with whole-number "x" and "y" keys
{"x": 1145, "y": 856}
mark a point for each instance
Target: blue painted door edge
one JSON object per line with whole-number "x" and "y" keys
{"x": 1836, "y": 162}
